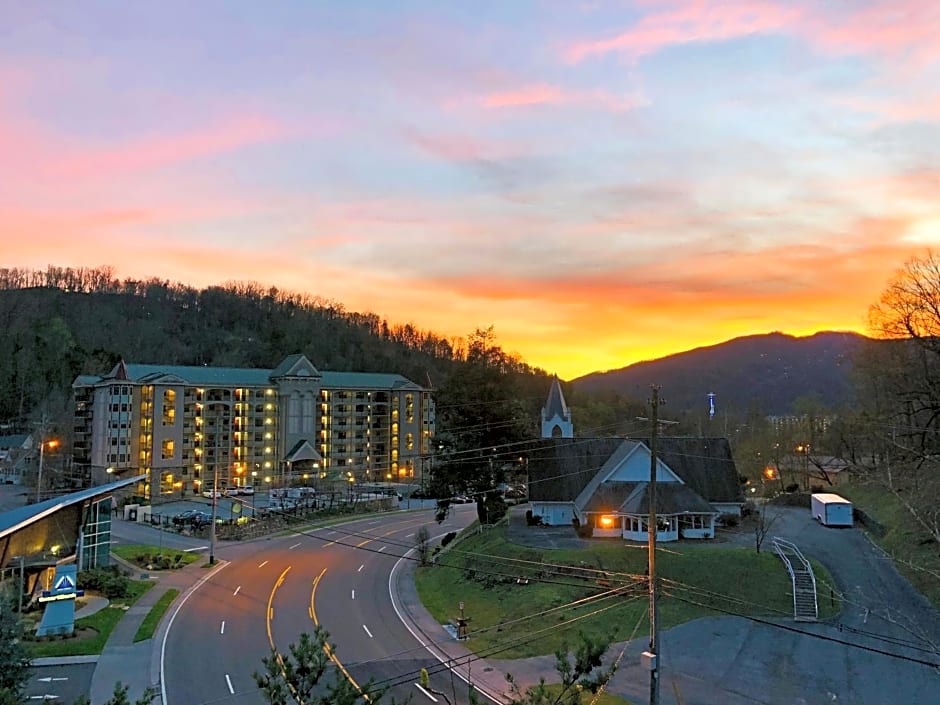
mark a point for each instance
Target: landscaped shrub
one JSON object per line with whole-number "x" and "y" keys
{"x": 793, "y": 487}
{"x": 729, "y": 520}
{"x": 586, "y": 531}
{"x": 108, "y": 581}
{"x": 448, "y": 537}
{"x": 532, "y": 519}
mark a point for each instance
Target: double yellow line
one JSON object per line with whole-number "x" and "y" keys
{"x": 326, "y": 647}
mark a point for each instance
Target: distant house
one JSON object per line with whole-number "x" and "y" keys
{"x": 809, "y": 470}
{"x": 604, "y": 483}
{"x": 14, "y": 454}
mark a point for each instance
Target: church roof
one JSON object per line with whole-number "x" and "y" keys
{"x": 555, "y": 405}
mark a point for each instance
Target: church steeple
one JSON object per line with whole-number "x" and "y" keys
{"x": 556, "y": 416}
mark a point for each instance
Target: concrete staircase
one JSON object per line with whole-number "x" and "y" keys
{"x": 805, "y": 606}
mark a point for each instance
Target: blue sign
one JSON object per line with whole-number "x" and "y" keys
{"x": 59, "y": 615}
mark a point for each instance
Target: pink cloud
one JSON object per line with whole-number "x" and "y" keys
{"x": 904, "y": 30}
{"x": 464, "y": 148}
{"x": 529, "y": 95}
{"x": 545, "y": 94}
{"x": 699, "y": 21}
{"x": 228, "y": 135}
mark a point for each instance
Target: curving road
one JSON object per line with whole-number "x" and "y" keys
{"x": 271, "y": 591}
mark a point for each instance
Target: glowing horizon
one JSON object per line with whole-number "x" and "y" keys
{"x": 603, "y": 184}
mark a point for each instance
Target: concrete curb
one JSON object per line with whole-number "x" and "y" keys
{"x": 64, "y": 660}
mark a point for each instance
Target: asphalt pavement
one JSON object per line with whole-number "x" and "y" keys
{"x": 867, "y": 656}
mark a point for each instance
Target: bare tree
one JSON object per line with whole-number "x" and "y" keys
{"x": 763, "y": 523}
{"x": 900, "y": 384}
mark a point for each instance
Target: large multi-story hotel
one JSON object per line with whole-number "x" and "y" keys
{"x": 192, "y": 428}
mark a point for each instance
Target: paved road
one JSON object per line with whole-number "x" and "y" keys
{"x": 274, "y": 590}
{"x": 65, "y": 683}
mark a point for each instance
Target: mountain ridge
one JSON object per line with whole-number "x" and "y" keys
{"x": 766, "y": 372}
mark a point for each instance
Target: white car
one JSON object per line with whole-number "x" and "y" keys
{"x": 211, "y": 494}
{"x": 246, "y": 489}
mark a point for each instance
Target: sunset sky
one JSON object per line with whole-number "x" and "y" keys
{"x": 603, "y": 182}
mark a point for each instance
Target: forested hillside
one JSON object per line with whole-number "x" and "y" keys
{"x": 63, "y": 322}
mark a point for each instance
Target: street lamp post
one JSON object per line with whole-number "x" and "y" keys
{"x": 42, "y": 446}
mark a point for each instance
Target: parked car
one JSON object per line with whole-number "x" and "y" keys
{"x": 246, "y": 489}
{"x": 211, "y": 494}
{"x": 200, "y": 519}
{"x": 231, "y": 491}
{"x": 184, "y": 518}
{"x": 192, "y": 517}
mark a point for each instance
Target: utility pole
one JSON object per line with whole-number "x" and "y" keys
{"x": 651, "y": 529}
{"x": 42, "y": 446}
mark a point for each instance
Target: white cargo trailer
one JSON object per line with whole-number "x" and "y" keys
{"x": 832, "y": 510}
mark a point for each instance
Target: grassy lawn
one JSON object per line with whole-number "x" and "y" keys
{"x": 513, "y": 620}
{"x": 149, "y": 625}
{"x": 914, "y": 553}
{"x": 97, "y": 627}
{"x": 143, "y": 555}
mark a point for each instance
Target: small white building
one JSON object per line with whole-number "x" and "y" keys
{"x": 696, "y": 481}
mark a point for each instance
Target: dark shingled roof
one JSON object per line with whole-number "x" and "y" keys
{"x": 609, "y": 497}
{"x": 705, "y": 464}
{"x": 560, "y": 468}
{"x": 671, "y": 498}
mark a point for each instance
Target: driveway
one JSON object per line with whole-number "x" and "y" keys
{"x": 736, "y": 661}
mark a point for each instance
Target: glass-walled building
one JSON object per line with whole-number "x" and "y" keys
{"x": 190, "y": 429}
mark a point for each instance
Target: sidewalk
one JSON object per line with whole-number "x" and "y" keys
{"x": 136, "y": 665}
{"x": 488, "y": 677}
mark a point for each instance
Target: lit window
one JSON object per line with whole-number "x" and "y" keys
{"x": 606, "y": 522}
{"x": 169, "y": 448}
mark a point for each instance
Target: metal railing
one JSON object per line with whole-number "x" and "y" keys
{"x": 785, "y": 549}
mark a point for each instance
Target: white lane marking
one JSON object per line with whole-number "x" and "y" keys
{"x": 361, "y": 567}
{"x": 330, "y": 533}
{"x": 169, "y": 626}
{"x": 367, "y": 631}
{"x": 228, "y": 682}
{"x": 418, "y": 686}
{"x": 408, "y": 536}
{"x": 50, "y": 679}
{"x": 222, "y": 630}
{"x": 354, "y": 594}
{"x": 293, "y": 547}
{"x": 236, "y": 590}
{"x": 263, "y": 564}
{"x": 195, "y": 548}
{"x": 382, "y": 549}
